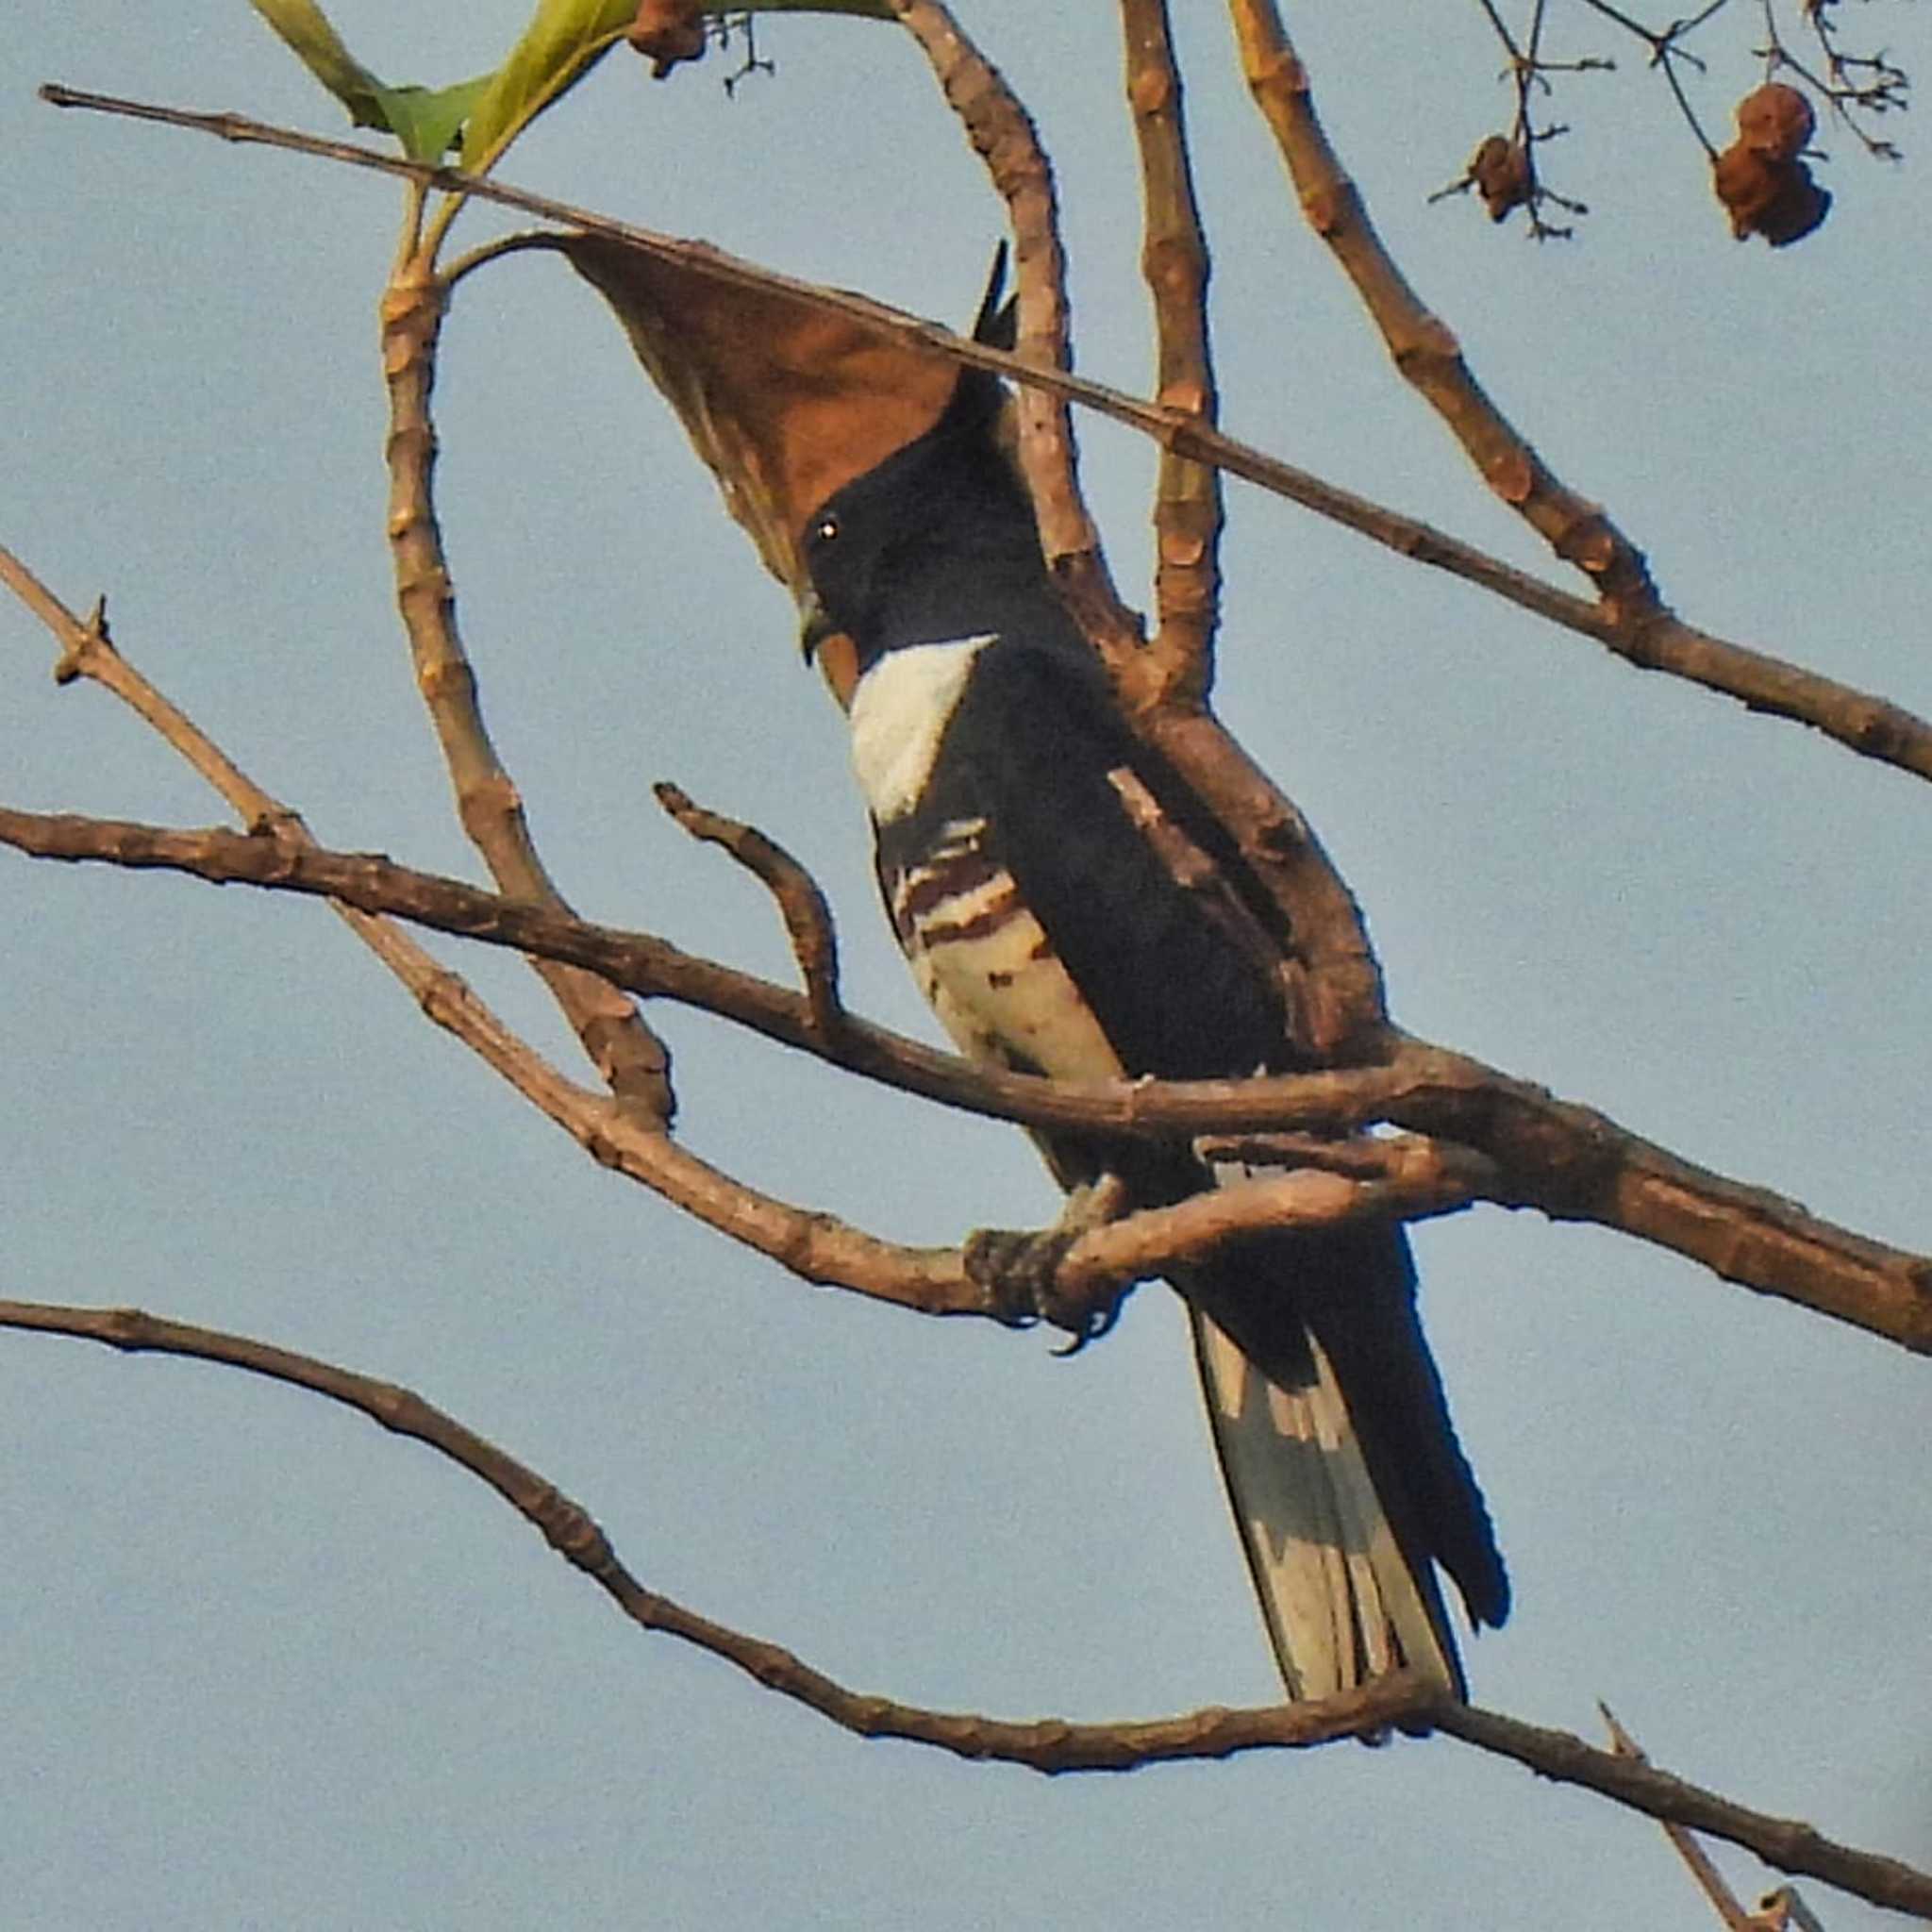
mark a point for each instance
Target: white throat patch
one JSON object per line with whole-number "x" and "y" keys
{"x": 900, "y": 711}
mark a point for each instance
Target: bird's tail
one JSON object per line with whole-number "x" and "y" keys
{"x": 1342, "y": 1600}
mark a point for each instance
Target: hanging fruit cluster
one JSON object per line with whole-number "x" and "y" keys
{"x": 1761, "y": 177}
{"x": 1500, "y": 171}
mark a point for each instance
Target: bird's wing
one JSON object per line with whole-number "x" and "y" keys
{"x": 1056, "y": 921}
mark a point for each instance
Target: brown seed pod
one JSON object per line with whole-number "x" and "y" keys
{"x": 666, "y": 32}
{"x": 1500, "y": 169}
{"x": 1775, "y": 119}
{"x": 1768, "y": 195}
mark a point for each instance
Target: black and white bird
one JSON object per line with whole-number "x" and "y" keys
{"x": 1044, "y": 872}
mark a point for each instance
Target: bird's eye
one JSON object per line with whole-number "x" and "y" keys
{"x": 828, "y": 528}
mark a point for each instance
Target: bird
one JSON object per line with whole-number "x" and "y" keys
{"x": 1064, "y": 903}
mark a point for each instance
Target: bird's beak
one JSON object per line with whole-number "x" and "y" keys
{"x": 814, "y": 626}
{"x": 822, "y": 641}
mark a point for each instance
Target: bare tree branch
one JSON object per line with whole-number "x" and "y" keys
{"x": 630, "y": 1057}
{"x": 1567, "y": 1161}
{"x": 817, "y": 1247}
{"x": 88, "y": 652}
{"x": 1003, "y": 134}
{"x": 1173, "y": 260}
{"x": 1787, "y": 1843}
{"x": 1422, "y": 346}
{"x": 1871, "y": 725}
{"x": 1053, "y": 1745}
{"x": 1419, "y": 1179}
{"x": 1637, "y": 626}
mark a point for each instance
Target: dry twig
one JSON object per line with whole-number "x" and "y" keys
{"x": 1697, "y": 1861}
{"x": 1787, "y": 1843}
{"x": 801, "y": 902}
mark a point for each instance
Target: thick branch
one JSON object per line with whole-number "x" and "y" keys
{"x": 1567, "y": 1161}
{"x": 630, "y": 1057}
{"x": 1173, "y": 260}
{"x": 1003, "y": 137}
{"x": 1048, "y": 1745}
{"x": 1868, "y": 725}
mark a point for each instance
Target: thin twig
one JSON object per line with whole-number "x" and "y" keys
{"x": 85, "y": 650}
{"x": 801, "y": 902}
{"x": 1789, "y": 1844}
{"x": 1697, "y": 1861}
{"x": 1785, "y": 1910}
{"x": 1871, "y": 725}
{"x": 1420, "y": 345}
{"x": 1882, "y": 91}
{"x": 1047, "y": 1746}
{"x": 1667, "y": 48}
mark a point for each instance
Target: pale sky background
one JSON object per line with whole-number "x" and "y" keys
{"x": 269, "y": 1667}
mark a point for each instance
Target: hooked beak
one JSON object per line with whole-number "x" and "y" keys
{"x": 824, "y": 642}
{"x": 815, "y": 626}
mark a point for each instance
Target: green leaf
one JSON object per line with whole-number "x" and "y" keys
{"x": 564, "y": 39}
{"x": 426, "y": 119}
{"x": 305, "y": 29}
{"x": 423, "y": 119}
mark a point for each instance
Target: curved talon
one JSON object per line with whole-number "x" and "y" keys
{"x": 1088, "y": 1322}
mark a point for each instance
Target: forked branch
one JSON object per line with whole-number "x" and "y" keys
{"x": 1567, "y": 1161}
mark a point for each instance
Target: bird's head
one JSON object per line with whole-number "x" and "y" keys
{"x": 939, "y": 530}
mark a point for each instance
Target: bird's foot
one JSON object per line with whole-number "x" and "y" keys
{"x": 1019, "y": 1268}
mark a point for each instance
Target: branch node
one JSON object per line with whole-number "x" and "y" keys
{"x": 84, "y": 643}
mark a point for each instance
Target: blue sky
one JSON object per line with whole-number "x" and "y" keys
{"x": 270, "y": 1667}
